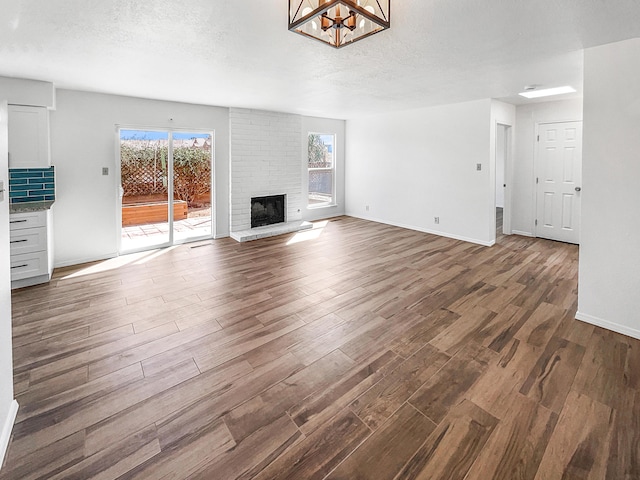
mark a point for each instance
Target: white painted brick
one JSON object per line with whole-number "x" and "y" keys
{"x": 266, "y": 159}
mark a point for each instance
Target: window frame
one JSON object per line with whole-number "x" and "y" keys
{"x": 332, "y": 169}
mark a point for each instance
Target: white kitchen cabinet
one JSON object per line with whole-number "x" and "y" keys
{"x": 30, "y": 243}
{"x": 28, "y": 137}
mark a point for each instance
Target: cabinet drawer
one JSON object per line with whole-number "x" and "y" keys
{"x": 28, "y": 240}
{"x": 18, "y": 221}
{"x": 28, "y": 265}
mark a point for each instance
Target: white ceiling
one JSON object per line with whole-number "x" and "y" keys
{"x": 240, "y": 53}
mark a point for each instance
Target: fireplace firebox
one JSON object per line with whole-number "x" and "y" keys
{"x": 267, "y": 210}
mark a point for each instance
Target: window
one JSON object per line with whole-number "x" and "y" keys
{"x": 321, "y": 167}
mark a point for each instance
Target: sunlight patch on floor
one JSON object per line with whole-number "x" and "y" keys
{"x": 139, "y": 258}
{"x": 307, "y": 235}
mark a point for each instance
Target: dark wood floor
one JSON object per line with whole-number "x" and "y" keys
{"x": 369, "y": 352}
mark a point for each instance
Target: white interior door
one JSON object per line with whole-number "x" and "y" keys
{"x": 559, "y": 181}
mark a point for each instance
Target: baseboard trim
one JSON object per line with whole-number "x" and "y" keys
{"x": 426, "y": 230}
{"x": 5, "y": 437}
{"x": 28, "y": 282}
{"x": 524, "y": 234}
{"x": 614, "y": 327}
{"x": 80, "y": 261}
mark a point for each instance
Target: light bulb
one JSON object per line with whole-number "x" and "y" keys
{"x": 350, "y": 22}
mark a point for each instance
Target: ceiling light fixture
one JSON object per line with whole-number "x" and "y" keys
{"x": 547, "y": 92}
{"x": 338, "y": 22}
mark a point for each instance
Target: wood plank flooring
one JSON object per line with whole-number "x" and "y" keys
{"x": 352, "y": 351}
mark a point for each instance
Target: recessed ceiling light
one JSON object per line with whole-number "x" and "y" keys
{"x": 547, "y": 92}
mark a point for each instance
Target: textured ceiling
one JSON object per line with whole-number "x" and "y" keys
{"x": 240, "y": 53}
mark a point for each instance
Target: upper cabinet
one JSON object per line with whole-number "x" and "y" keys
{"x": 28, "y": 137}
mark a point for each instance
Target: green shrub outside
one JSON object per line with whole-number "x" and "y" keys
{"x": 144, "y": 171}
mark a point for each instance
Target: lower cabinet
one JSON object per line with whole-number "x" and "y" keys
{"x": 30, "y": 241}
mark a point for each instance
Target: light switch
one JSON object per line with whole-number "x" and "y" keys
{"x": 105, "y": 170}
{"x": 478, "y": 166}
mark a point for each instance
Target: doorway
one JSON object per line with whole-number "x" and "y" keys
{"x": 559, "y": 181}
{"x": 502, "y": 153}
{"x": 166, "y": 180}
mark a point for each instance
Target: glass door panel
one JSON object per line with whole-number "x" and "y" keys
{"x": 192, "y": 180}
{"x": 144, "y": 193}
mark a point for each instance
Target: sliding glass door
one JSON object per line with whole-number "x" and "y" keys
{"x": 166, "y": 188}
{"x": 192, "y": 190}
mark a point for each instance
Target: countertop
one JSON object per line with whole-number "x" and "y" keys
{"x": 25, "y": 207}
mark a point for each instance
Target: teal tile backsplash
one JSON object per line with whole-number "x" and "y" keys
{"x": 31, "y": 185}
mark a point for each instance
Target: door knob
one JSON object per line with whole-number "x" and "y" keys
{"x": 578, "y": 189}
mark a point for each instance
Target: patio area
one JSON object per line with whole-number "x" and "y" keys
{"x": 142, "y": 236}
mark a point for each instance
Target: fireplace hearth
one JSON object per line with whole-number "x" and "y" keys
{"x": 267, "y": 210}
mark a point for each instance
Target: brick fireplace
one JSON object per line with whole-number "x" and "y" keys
{"x": 266, "y": 160}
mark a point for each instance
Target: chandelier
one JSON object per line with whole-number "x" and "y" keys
{"x": 339, "y": 22}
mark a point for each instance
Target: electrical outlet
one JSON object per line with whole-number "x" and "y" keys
{"x": 478, "y": 166}
{"x": 436, "y": 220}
{"x": 366, "y": 208}
{"x": 105, "y": 170}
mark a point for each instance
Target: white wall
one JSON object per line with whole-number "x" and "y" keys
{"x": 8, "y": 407}
{"x": 609, "y": 282}
{"x": 83, "y": 140}
{"x": 324, "y": 125}
{"x": 523, "y": 178}
{"x": 412, "y": 166}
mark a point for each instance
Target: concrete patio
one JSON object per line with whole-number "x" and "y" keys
{"x": 151, "y": 234}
